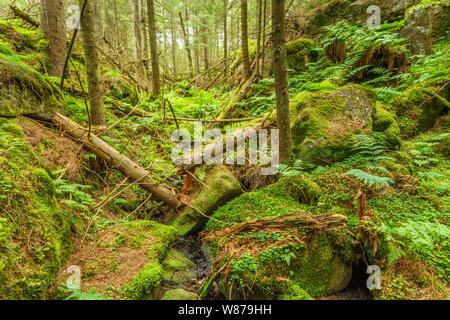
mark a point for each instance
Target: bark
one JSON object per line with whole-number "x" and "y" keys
{"x": 24, "y": 16}
{"x": 116, "y": 159}
{"x": 263, "y": 54}
{"x": 258, "y": 39}
{"x": 280, "y": 75}
{"x": 244, "y": 34}
{"x": 92, "y": 65}
{"x": 225, "y": 35}
{"x": 153, "y": 47}
{"x": 145, "y": 39}
{"x": 140, "y": 73}
{"x": 53, "y": 27}
{"x": 187, "y": 44}
{"x": 205, "y": 43}
{"x": 174, "y": 43}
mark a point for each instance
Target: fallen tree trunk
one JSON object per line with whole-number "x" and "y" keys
{"x": 119, "y": 161}
{"x": 323, "y": 222}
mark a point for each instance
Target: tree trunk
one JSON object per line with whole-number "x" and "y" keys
{"x": 53, "y": 27}
{"x": 116, "y": 159}
{"x": 187, "y": 43}
{"x": 280, "y": 74}
{"x": 205, "y": 43}
{"x": 244, "y": 33}
{"x": 263, "y": 54}
{"x": 92, "y": 65}
{"x": 153, "y": 47}
{"x": 174, "y": 43}
{"x": 145, "y": 47}
{"x": 225, "y": 35}
{"x": 258, "y": 40}
{"x": 137, "y": 19}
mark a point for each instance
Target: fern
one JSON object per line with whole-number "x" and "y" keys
{"x": 368, "y": 179}
{"x": 297, "y": 168}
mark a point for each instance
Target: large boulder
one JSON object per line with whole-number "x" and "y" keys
{"x": 300, "y": 52}
{"x": 281, "y": 259}
{"x": 24, "y": 91}
{"x": 355, "y": 12}
{"x": 419, "y": 107}
{"x": 385, "y": 121}
{"x": 323, "y": 123}
{"x": 425, "y": 24}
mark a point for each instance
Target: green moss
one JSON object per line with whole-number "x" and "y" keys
{"x": 384, "y": 121}
{"x": 176, "y": 261}
{"x": 300, "y": 188}
{"x": 324, "y": 123}
{"x": 321, "y": 271}
{"x": 294, "y": 292}
{"x": 37, "y": 214}
{"x": 146, "y": 283}
{"x": 46, "y": 182}
{"x": 418, "y": 109}
{"x": 222, "y": 187}
{"x": 179, "y": 294}
{"x": 298, "y": 45}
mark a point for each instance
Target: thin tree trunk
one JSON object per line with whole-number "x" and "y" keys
{"x": 153, "y": 47}
{"x": 145, "y": 39}
{"x": 53, "y": 27}
{"x": 225, "y": 35}
{"x": 258, "y": 40}
{"x": 140, "y": 73}
{"x": 263, "y": 57}
{"x": 280, "y": 74}
{"x": 187, "y": 44}
{"x": 205, "y": 43}
{"x": 244, "y": 33}
{"x": 92, "y": 65}
{"x": 174, "y": 43}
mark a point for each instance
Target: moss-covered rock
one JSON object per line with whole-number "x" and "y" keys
{"x": 386, "y": 122}
{"x": 220, "y": 187}
{"x": 321, "y": 270}
{"x": 425, "y": 24}
{"x": 28, "y": 264}
{"x": 25, "y": 91}
{"x": 270, "y": 263}
{"x": 179, "y": 294}
{"x": 354, "y": 12}
{"x": 324, "y": 123}
{"x": 300, "y": 52}
{"x": 419, "y": 107}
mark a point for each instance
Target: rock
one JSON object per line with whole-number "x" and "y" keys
{"x": 24, "y": 91}
{"x": 300, "y": 52}
{"x": 324, "y": 123}
{"x": 264, "y": 268}
{"x": 222, "y": 186}
{"x": 321, "y": 271}
{"x": 355, "y": 12}
{"x": 179, "y": 294}
{"x": 177, "y": 268}
{"x": 386, "y": 122}
{"x": 425, "y": 24}
{"x": 418, "y": 108}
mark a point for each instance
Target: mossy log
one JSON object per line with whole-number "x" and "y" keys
{"x": 319, "y": 223}
{"x": 119, "y": 161}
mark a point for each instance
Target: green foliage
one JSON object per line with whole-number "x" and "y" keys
{"x": 78, "y": 198}
{"x": 368, "y": 179}
{"x": 371, "y": 152}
